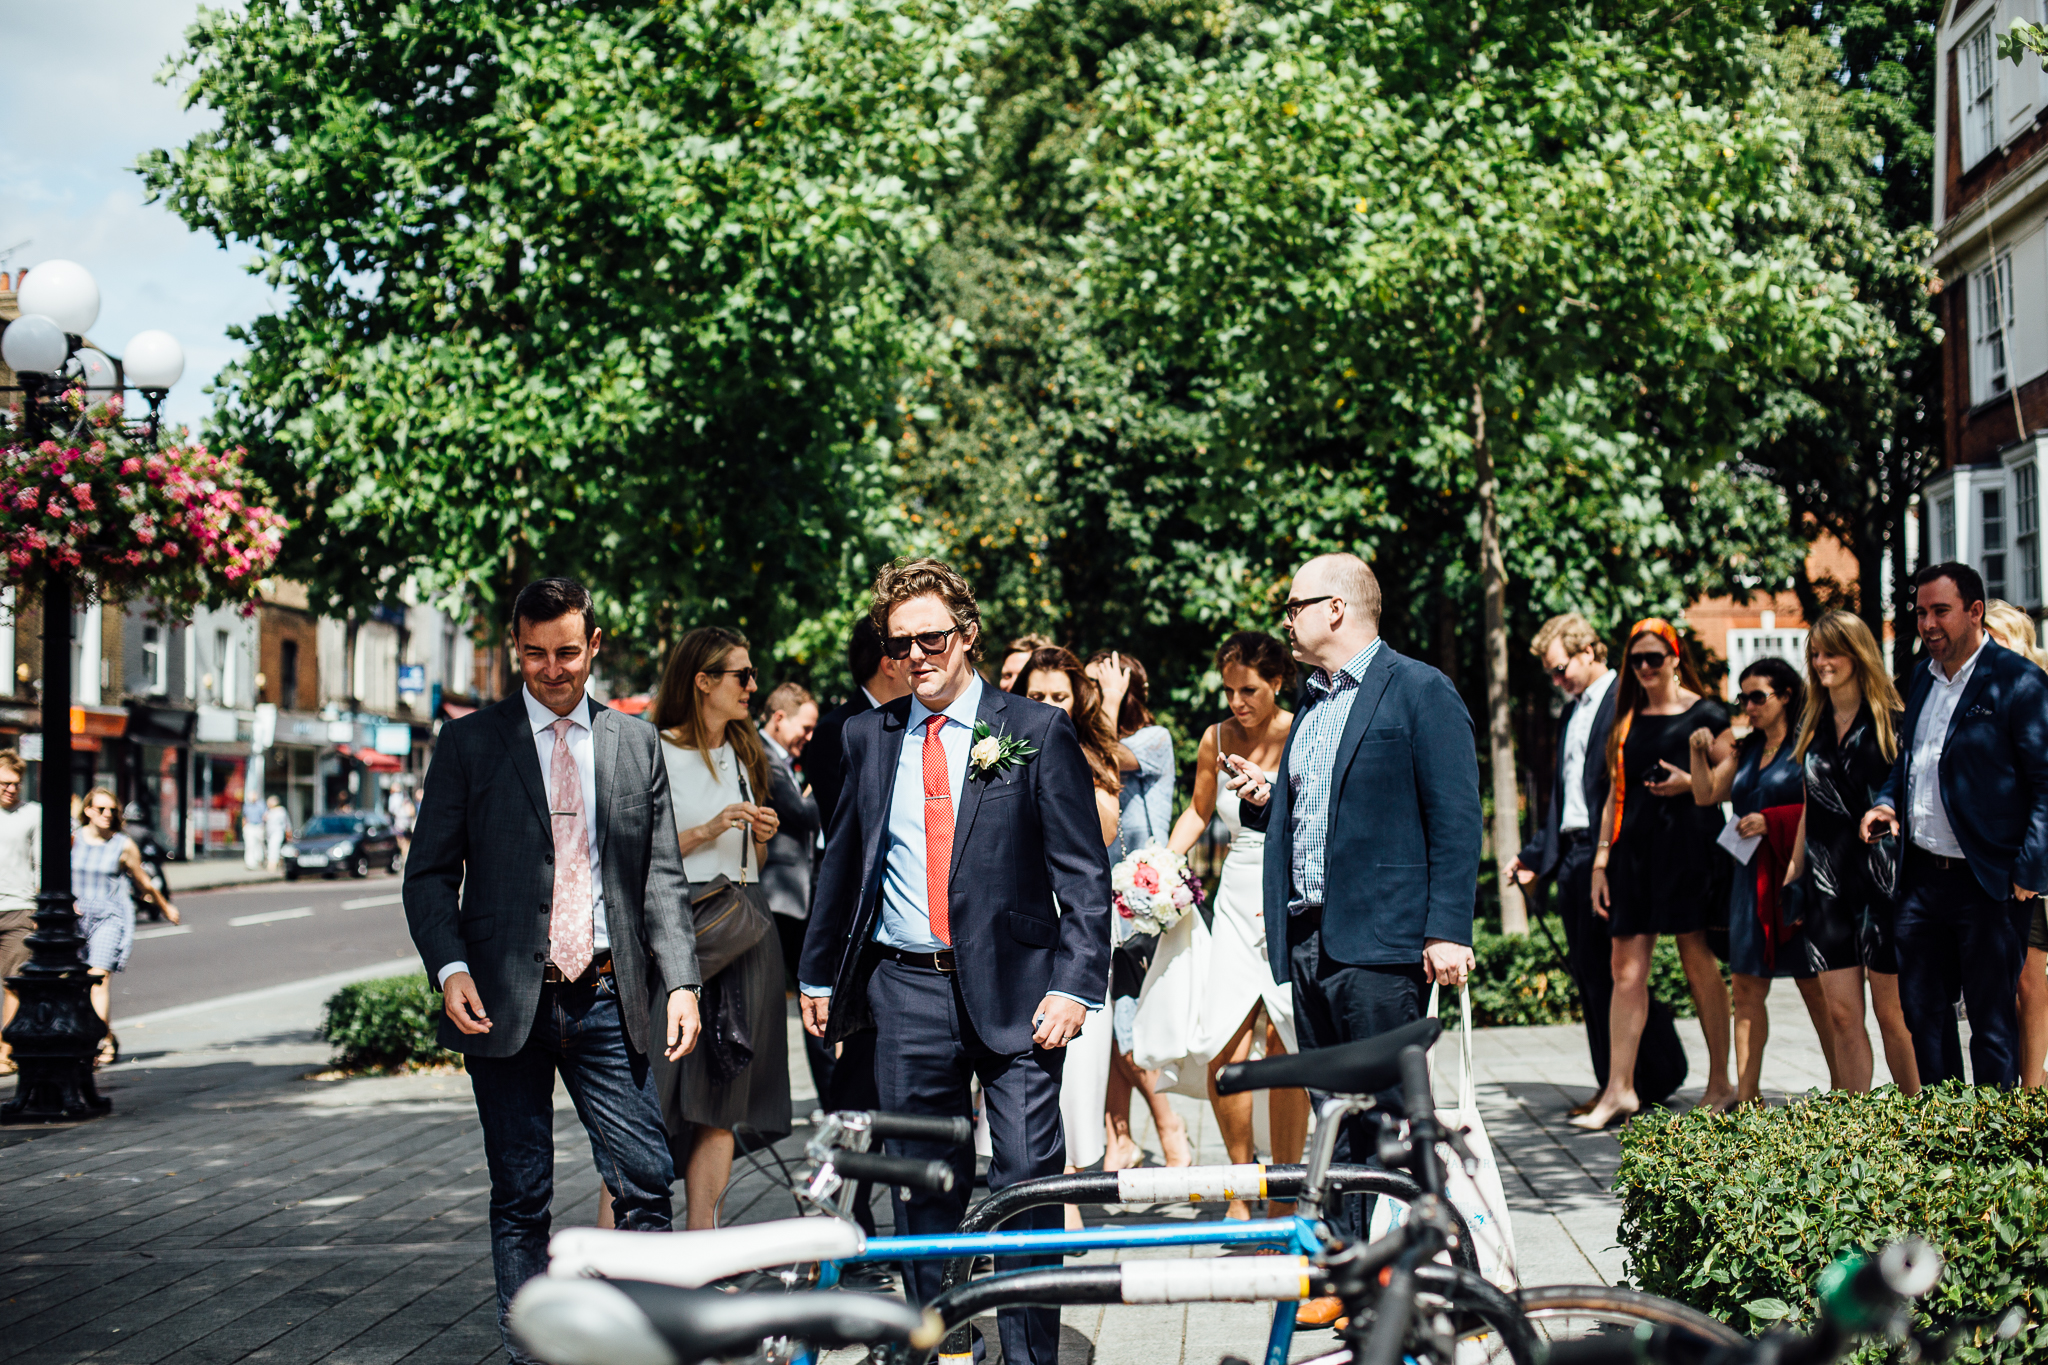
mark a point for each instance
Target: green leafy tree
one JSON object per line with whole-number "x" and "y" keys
{"x": 609, "y": 289}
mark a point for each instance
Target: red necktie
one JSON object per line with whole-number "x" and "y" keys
{"x": 938, "y": 831}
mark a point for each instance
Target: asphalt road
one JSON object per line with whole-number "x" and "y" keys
{"x": 248, "y": 937}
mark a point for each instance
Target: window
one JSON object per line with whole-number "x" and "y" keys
{"x": 224, "y": 659}
{"x": 1978, "y": 65}
{"x": 288, "y": 673}
{"x": 1992, "y": 501}
{"x": 2026, "y": 540}
{"x": 1991, "y": 306}
{"x": 155, "y": 661}
{"x": 1945, "y": 531}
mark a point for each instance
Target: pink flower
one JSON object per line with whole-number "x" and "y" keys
{"x": 1121, "y": 907}
{"x": 1145, "y": 877}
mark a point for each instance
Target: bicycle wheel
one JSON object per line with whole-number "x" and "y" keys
{"x": 1571, "y": 1312}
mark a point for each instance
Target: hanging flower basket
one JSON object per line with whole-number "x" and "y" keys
{"x": 182, "y": 525}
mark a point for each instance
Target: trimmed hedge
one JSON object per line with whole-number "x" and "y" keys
{"x": 1522, "y": 979}
{"x": 385, "y": 1025}
{"x": 1737, "y": 1214}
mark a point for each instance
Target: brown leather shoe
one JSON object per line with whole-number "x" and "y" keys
{"x": 1320, "y": 1312}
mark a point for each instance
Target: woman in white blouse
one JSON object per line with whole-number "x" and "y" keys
{"x": 718, "y": 782}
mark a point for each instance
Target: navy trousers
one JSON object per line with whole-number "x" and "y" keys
{"x": 926, "y": 1051}
{"x": 1953, "y": 939}
{"x": 577, "y": 1032}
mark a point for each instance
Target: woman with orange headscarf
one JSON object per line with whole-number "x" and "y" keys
{"x": 1653, "y": 869}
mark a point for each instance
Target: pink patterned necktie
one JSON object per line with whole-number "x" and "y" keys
{"x": 938, "y": 832}
{"x": 569, "y": 926}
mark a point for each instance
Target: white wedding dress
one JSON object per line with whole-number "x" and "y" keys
{"x": 1205, "y": 980}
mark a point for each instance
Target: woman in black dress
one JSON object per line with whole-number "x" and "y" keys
{"x": 1848, "y": 740}
{"x": 1766, "y": 918}
{"x": 1653, "y": 870}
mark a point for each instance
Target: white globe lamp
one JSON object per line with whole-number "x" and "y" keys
{"x": 62, "y": 291}
{"x": 33, "y": 344}
{"x": 93, "y": 370}
{"x": 153, "y": 360}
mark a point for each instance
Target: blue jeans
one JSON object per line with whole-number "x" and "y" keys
{"x": 1954, "y": 939}
{"x": 576, "y": 1031}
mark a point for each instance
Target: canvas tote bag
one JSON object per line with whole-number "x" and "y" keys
{"x": 1479, "y": 1199}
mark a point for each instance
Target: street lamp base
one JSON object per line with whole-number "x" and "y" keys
{"x": 59, "y": 1090}
{"x": 54, "y": 1036}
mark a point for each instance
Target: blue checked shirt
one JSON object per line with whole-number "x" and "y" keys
{"x": 1317, "y": 732}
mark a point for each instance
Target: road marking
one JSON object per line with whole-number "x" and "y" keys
{"x": 371, "y": 902}
{"x": 165, "y": 931}
{"x": 270, "y": 917}
{"x": 332, "y": 1201}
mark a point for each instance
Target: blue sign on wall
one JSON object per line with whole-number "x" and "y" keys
{"x": 412, "y": 679}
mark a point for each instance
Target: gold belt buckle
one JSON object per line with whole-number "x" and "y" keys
{"x": 942, "y": 961}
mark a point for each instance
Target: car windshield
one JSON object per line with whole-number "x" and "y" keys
{"x": 325, "y": 825}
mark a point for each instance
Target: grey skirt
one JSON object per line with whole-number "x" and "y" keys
{"x": 757, "y": 1099}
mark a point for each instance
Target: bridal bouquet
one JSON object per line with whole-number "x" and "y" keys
{"x": 1153, "y": 888}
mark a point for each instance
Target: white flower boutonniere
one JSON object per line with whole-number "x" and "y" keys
{"x": 993, "y": 753}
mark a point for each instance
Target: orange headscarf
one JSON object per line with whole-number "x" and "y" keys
{"x": 1649, "y": 625}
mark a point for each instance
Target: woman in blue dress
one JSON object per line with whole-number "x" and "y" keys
{"x": 106, "y": 872}
{"x": 1762, "y": 777}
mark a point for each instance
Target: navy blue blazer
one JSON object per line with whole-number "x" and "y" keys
{"x": 1021, "y": 837}
{"x": 1403, "y": 855}
{"x": 1994, "y": 769}
{"x": 1542, "y": 854}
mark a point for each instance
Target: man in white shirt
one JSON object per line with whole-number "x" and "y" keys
{"x": 1562, "y": 851}
{"x": 1972, "y": 778}
{"x": 546, "y": 895}
{"x": 21, "y": 828}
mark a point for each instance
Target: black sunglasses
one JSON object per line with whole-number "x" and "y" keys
{"x": 930, "y": 641}
{"x": 1757, "y": 698}
{"x": 745, "y": 675}
{"x": 1649, "y": 658}
{"x": 1295, "y": 604}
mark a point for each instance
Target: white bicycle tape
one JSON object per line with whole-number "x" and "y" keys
{"x": 1228, "y": 1279}
{"x": 1192, "y": 1184}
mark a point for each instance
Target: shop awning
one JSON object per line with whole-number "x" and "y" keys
{"x": 168, "y": 726}
{"x": 371, "y": 759}
{"x": 101, "y": 722}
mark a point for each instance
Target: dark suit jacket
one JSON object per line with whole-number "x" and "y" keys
{"x": 1994, "y": 770}
{"x": 786, "y": 871}
{"x": 1402, "y": 863}
{"x": 1541, "y": 853}
{"x": 480, "y": 877}
{"x": 1020, "y": 838}
{"x": 824, "y": 756}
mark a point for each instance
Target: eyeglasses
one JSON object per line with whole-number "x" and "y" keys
{"x": 1295, "y": 604}
{"x": 1757, "y": 698}
{"x": 99, "y": 810}
{"x": 745, "y": 675}
{"x": 930, "y": 641}
{"x": 1651, "y": 659}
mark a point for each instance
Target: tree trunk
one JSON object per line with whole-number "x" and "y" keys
{"x": 1500, "y": 733}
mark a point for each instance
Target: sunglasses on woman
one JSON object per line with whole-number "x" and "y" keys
{"x": 1756, "y": 698}
{"x": 1652, "y": 659}
{"x": 745, "y": 675}
{"x": 930, "y": 641}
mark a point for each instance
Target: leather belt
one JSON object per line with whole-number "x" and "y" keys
{"x": 601, "y": 965}
{"x": 940, "y": 962}
{"x": 1939, "y": 862}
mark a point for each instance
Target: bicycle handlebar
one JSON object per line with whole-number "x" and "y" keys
{"x": 602, "y": 1322}
{"x": 922, "y": 1128}
{"x": 934, "y": 1176}
{"x": 1415, "y": 1093}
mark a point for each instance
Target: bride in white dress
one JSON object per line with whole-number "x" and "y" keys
{"x": 1211, "y": 983}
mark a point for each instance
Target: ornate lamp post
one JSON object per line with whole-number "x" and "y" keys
{"x": 56, "y": 1032}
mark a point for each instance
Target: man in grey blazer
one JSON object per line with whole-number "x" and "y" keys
{"x": 545, "y": 893}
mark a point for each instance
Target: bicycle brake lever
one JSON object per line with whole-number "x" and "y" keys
{"x": 1456, "y": 1138}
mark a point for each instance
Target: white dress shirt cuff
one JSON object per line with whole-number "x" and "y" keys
{"x": 1087, "y": 1005}
{"x": 815, "y": 992}
{"x": 450, "y": 970}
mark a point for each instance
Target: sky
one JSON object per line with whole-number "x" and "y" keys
{"x": 79, "y": 104}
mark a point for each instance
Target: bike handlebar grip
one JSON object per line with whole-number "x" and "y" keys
{"x": 1390, "y": 1326}
{"x": 934, "y": 1176}
{"x": 1415, "y": 1084}
{"x": 922, "y": 1128}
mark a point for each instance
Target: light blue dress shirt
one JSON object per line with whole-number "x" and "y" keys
{"x": 1311, "y": 770}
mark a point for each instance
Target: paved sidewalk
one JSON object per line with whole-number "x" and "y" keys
{"x": 231, "y": 1210}
{"x": 206, "y": 874}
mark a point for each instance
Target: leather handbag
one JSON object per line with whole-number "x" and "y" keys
{"x": 730, "y": 917}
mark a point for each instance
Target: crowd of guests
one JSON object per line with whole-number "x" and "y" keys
{"x": 1888, "y": 837}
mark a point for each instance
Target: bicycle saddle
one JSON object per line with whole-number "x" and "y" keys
{"x": 627, "y": 1322}
{"x": 1362, "y": 1068}
{"x": 690, "y": 1259}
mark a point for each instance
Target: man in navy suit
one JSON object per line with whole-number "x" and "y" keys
{"x": 1562, "y": 852}
{"x": 1969, "y": 795}
{"x": 934, "y": 921}
{"x": 1372, "y": 854}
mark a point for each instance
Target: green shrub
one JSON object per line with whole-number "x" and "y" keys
{"x": 1737, "y": 1214}
{"x": 384, "y": 1024}
{"x": 1522, "y": 978}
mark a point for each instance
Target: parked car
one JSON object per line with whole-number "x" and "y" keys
{"x": 331, "y": 844}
